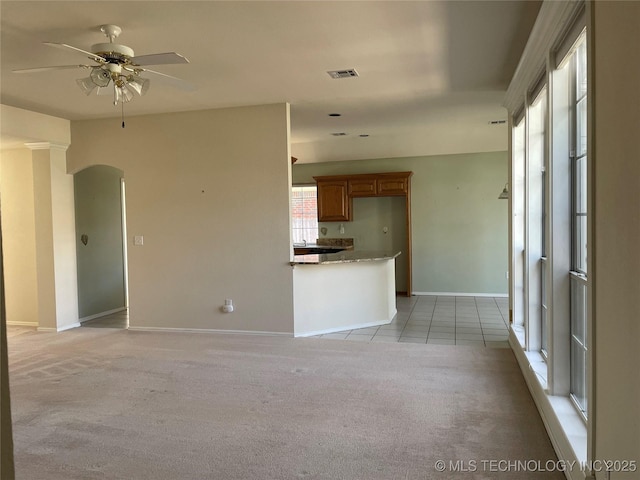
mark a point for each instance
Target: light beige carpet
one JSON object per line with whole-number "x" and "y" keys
{"x": 112, "y": 404}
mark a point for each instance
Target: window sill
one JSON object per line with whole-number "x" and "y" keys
{"x": 564, "y": 425}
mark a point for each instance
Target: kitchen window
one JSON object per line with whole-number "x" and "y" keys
{"x": 304, "y": 213}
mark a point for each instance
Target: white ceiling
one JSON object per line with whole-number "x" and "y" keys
{"x": 432, "y": 73}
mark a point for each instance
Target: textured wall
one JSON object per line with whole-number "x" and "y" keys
{"x": 209, "y": 192}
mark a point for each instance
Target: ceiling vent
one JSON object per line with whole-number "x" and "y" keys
{"x": 348, "y": 73}
{"x": 497, "y": 122}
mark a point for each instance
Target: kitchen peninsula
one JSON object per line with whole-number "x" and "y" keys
{"x": 343, "y": 291}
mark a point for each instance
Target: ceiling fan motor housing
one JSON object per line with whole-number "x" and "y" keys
{"x": 112, "y": 52}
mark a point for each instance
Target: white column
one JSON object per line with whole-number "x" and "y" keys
{"x": 55, "y": 238}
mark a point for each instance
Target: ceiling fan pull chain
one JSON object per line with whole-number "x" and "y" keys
{"x": 122, "y": 104}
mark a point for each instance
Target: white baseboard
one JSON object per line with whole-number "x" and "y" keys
{"x": 59, "y": 329}
{"x": 102, "y": 314}
{"x": 209, "y": 330}
{"x": 23, "y": 324}
{"x": 341, "y": 329}
{"x": 458, "y": 294}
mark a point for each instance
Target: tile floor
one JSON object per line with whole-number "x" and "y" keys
{"x": 443, "y": 320}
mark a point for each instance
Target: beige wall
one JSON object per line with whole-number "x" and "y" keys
{"x": 18, "y": 227}
{"x": 209, "y": 192}
{"x": 616, "y": 290}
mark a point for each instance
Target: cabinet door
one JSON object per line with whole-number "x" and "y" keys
{"x": 362, "y": 187}
{"x": 392, "y": 186}
{"x": 333, "y": 201}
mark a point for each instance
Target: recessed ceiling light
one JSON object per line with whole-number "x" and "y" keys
{"x": 346, "y": 73}
{"x": 339, "y": 134}
{"x": 335, "y": 114}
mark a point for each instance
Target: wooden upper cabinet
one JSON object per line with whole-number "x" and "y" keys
{"x": 389, "y": 185}
{"x": 363, "y": 187}
{"x": 334, "y": 203}
{"x": 335, "y": 193}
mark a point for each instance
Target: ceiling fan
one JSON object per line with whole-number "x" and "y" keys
{"x": 116, "y": 65}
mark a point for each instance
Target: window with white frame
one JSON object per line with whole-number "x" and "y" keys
{"x": 550, "y": 249}
{"x": 549, "y": 221}
{"x": 534, "y": 161}
{"x": 578, "y": 273}
{"x": 517, "y": 193}
{"x": 304, "y": 213}
{"x": 537, "y": 217}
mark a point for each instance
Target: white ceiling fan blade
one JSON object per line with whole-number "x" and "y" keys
{"x": 175, "y": 81}
{"x": 159, "y": 59}
{"x": 45, "y": 69}
{"x": 92, "y": 56}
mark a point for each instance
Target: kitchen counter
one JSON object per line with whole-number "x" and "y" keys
{"x": 344, "y": 256}
{"x": 343, "y": 291}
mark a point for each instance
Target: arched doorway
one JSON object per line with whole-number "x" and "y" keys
{"x": 100, "y": 247}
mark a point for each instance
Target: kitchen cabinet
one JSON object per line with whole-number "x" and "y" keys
{"x": 390, "y": 185}
{"x": 334, "y": 203}
{"x": 363, "y": 187}
{"x": 379, "y": 184}
{"x": 336, "y": 194}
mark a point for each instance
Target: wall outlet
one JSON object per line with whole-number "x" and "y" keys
{"x": 228, "y": 306}
{"x": 138, "y": 240}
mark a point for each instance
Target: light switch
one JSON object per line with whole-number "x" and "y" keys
{"x": 138, "y": 240}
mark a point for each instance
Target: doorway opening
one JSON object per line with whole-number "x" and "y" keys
{"x": 101, "y": 247}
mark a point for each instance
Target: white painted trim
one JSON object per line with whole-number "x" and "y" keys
{"x": 58, "y": 330}
{"x": 212, "y": 330}
{"x": 46, "y": 146}
{"x": 567, "y": 432}
{"x": 341, "y": 329}
{"x": 553, "y": 20}
{"x": 458, "y": 294}
{"x": 102, "y": 314}
{"x": 22, "y": 324}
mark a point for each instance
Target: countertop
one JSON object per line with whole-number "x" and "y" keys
{"x": 315, "y": 246}
{"x": 345, "y": 256}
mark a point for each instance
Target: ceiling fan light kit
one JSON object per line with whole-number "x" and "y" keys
{"x": 117, "y": 65}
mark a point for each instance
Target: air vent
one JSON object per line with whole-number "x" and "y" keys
{"x": 497, "y": 122}
{"x": 348, "y": 73}
{"x": 339, "y": 134}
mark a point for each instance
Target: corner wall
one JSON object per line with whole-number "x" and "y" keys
{"x": 38, "y": 222}
{"x": 209, "y": 193}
